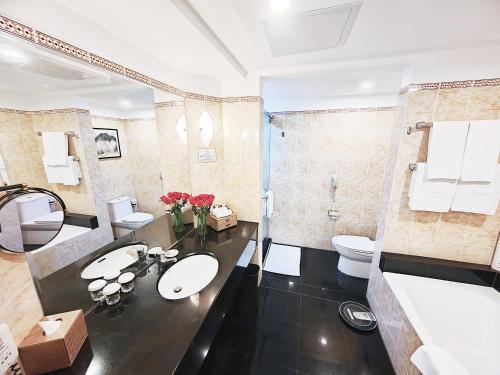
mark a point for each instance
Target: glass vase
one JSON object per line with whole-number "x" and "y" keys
{"x": 202, "y": 223}
{"x": 178, "y": 223}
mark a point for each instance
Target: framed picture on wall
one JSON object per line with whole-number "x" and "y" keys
{"x": 107, "y": 143}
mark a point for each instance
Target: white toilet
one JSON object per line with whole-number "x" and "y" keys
{"x": 39, "y": 224}
{"x": 123, "y": 218}
{"x": 356, "y": 254}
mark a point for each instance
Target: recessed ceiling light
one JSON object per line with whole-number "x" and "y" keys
{"x": 280, "y": 5}
{"x": 367, "y": 85}
{"x": 323, "y": 341}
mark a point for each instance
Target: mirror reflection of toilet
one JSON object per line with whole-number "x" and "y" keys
{"x": 123, "y": 218}
{"x": 39, "y": 218}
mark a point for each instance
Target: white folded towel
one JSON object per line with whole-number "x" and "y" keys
{"x": 478, "y": 197}
{"x": 269, "y": 203}
{"x": 433, "y": 360}
{"x": 446, "y": 149}
{"x": 67, "y": 175}
{"x": 481, "y": 151}
{"x": 55, "y": 148}
{"x": 430, "y": 195}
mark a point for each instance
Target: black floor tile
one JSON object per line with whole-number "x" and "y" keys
{"x": 318, "y": 268}
{"x": 281, "y": 305}
{"x": 244, "y": 332}
{"x": 367, "y": 353}
{"x": 224, "y": 361}
{"x": 261, "y": 368}
{"x": 311, "y": 365}
{"x": 281, "y": 282}
{"x": 292, "y": 326}
{"x": 324, "y": 342}
{"x": 317, "y": 311}
{"x": 281, "y": 355}
{"x": 330, "y": 294}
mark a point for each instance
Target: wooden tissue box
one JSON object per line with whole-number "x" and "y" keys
{"x": 40, "y": 354}
{"x": 222, "y": 223}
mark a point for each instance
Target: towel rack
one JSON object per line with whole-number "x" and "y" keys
{"x": 418, "y": 126}
{"x": 69, "y": 133}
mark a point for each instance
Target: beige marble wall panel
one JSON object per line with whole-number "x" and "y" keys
{"x": 116, "y": 172}
{"x": 174, "y": 157}
{"x": 351, "y": 145}
{"x": 243, "y": 158}
{"x": 144, "y": 158}
{"x": 454, "y": 235}
{"x": 206, "y": 177}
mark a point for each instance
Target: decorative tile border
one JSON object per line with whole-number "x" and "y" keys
{"x": 339, "y": 110}
{"x": 41, "y": 39}
{"x": 118, "y": 119}
{"x": 45, "y": 111}
{"x": 169, "y": 104}
{"x": 450, "y": 85}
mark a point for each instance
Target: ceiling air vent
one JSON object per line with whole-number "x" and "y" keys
{"x": 312, "y": 30}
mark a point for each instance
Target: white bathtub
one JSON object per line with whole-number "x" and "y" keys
{"x": 461, "y": 318}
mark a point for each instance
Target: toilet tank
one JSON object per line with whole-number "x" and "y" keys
{"x": 32, "y": 206}
{"x": 118, "y": 208}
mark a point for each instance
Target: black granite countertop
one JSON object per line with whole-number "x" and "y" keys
{"x": 146, "y": 334}
{"x": 65, "y": 290}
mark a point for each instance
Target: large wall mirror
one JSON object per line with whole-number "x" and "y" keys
{"x": 108, "y": 146}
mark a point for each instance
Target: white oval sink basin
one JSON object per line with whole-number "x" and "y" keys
{"x": 115, "y": 260}
{"x": 188, "y": 276}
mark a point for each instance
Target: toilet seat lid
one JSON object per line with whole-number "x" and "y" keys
{"x": 137, "y": 217}
{"x": 360, "y": 243}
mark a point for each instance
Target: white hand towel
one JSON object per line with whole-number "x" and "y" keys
{"x": 67, "y": 175}
{"x": 269, "y": 203}
{"x": 53, "y": 173}
{"x": 478, "y": 197}
{"x": 55, "y": 148}
{"x": 446, "y": 149}
{"x": 481, "y": 151}
{"x": 430, "y": 195}
{"x": 433, "y": 360}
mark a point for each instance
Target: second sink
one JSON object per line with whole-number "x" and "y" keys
{"x": 188, "y": 276}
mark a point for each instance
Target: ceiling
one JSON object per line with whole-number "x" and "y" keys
{"x": 383, "y": 28}
{"x": 225, "y": 40}
{"x": 37, "y": 75}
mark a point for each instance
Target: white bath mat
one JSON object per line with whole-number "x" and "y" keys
{"x": 283, "y": 259}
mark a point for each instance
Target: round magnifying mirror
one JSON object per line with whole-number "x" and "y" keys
{"x": 30, "y": 219}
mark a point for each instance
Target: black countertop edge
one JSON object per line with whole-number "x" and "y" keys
{"x": 81, "y": 220}
{"x": 442, "y": 269}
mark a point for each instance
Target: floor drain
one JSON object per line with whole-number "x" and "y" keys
{"x": 177, "y": 289}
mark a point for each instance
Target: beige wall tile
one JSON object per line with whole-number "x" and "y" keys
{"x": 352, "y": 145}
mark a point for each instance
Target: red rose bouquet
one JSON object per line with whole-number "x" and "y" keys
{"x": 200, "y": 205}
{"x": 175, "y": 202}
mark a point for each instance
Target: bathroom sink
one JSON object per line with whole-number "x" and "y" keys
{"x": 115, "y": 260}
{"x": 188, "y": 276}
